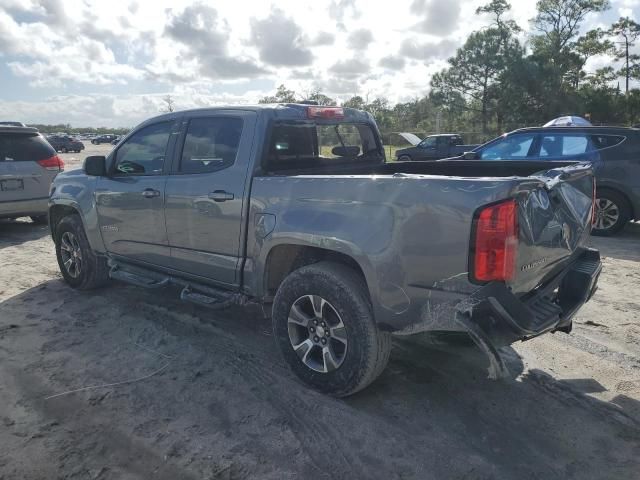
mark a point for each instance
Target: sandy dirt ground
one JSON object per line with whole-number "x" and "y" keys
{"x": 206, "y": 395}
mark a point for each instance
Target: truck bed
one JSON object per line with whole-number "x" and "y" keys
{"x": 409, "y": 225}
{"x": 448, "y": 168}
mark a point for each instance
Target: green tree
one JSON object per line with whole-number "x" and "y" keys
{"x": 626, "y": 31}
{"x": 320, "y": 98}
{"x": 558, "y": 23}
{"x": 354, "y": 102}
{"x": 589, "y": 45}
{"x": 476, "y": 69}
{"x": 282, "y": 95}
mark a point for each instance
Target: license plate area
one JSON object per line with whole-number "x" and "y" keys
{"x": 11, "y": 185}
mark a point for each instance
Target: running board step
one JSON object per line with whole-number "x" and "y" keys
{"x": 198, "y": 293}
{"x": 136, "y": 279}
{"x": 217, "y": 302}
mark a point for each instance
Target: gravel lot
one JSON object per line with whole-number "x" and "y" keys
{"x": 218, "y": 402}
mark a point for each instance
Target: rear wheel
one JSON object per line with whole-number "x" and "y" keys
{"x": 324, "y": 327}
{"x": 612, "y": 213}
{"x": 404, "y": 158}
{"x": 79, "y": 265}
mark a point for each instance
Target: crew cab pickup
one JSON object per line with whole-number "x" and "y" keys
{"x": 435, "y": 147}
{"x": 294, "y": 207}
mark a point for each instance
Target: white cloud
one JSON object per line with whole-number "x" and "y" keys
{"x": 204, "y": 52}
{"x": 280, "y": 40}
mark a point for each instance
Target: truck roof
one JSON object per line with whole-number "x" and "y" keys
{"x": 280, "y": 111}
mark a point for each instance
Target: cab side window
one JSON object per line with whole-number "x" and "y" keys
{"x": 144, "y": 152}
{"x": 211, "y": 144}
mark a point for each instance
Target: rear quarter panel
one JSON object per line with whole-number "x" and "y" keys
{"x": 408, "y": 233}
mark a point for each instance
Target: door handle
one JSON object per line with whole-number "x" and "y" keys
{"x": 220, "y": 196}
{"x": 150, "y": 193}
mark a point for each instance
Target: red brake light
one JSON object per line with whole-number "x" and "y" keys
{"x": 496, "y": 242}
{"x": 325, "y": 112}
{"x": 54, "y": 163}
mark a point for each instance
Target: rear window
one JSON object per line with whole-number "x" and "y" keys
{"x": 606, "y": 141}
{"x": 306, "y": 144}
{"x": 24, "y": 147}
{"x": 211, "y": 144}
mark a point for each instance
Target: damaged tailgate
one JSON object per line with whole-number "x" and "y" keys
{"x": 554, "y": 272}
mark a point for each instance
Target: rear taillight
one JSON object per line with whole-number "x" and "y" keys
{"x": 496, "y": 242}
{"x": 54, "y": 163}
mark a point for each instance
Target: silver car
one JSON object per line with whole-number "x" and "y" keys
{"x": 28, "y": 165}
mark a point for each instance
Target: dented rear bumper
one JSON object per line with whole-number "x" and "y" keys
{"x": 495, "y": 317}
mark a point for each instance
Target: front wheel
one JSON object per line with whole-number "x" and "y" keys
{"x": 612, "y": 213}
{"x": 79, "y": 265}
{"x": 324, "y": 327}
{"x": 404, "y": 158}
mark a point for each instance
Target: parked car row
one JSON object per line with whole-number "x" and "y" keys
{"x": 65, "y": 143}
{"x": 108, "y": 138}
{"x": 28, "y": 165}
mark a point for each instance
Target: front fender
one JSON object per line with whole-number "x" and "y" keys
{"x": 75, "y": 190}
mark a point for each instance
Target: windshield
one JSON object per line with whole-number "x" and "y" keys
{"x": 306, "y": 144}
{"x": 428, "y": 142}
{"x": 512, "y": 147}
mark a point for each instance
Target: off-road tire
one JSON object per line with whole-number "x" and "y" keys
{"x": 624, "y": 212}
{"x": 94, "y": 272}
{"x": 368, "y": 348}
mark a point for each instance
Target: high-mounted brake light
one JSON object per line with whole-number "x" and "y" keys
{"x": 496, "y": 242}
{"x": 54, "y": 163}
{"x": 325, "y": 112}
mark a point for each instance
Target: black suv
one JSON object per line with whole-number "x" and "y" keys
{"x": 614, "y": 152}
{"x": 65, "y": 143}
{"x": 108, "y": 138}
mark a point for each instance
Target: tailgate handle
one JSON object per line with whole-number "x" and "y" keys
{"x": 220, "y": 196}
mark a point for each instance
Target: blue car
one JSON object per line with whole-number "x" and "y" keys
{"x": 614, "y": 152}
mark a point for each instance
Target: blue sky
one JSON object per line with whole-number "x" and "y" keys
{"x": 110, "y": 63}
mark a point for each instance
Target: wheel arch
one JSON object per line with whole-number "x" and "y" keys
{"x": 282, "y": 259}
{"x": 57, "y": 212}
{"x": 61, "y": 207}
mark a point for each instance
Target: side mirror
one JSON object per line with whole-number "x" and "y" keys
{"x": 471, "y": 155}
{"x": 95, "y": 165}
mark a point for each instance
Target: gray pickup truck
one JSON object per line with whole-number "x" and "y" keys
{"x": 295, "y": 208}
